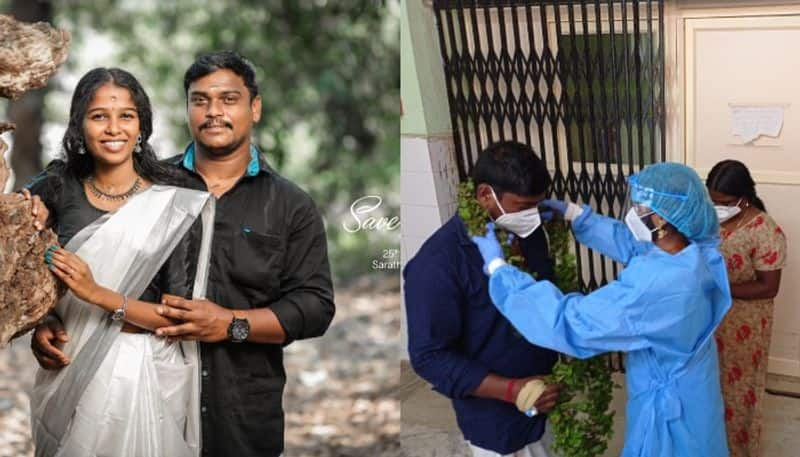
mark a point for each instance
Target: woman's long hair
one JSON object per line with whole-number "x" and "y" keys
{"x": 732, "y": 177}
{"x": 145, "y": 162}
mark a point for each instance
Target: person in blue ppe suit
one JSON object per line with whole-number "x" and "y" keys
{"x": 662, "y": 309}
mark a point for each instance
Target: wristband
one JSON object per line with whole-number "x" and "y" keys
{"x": 573, "y": 211}
{"x": 494, "y": 265}
{"x": 510, "y": 390}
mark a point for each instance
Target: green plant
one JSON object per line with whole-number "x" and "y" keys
{"x": 581, "y": 422}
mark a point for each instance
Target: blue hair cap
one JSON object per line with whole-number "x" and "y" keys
{"x": 676, "y": 193}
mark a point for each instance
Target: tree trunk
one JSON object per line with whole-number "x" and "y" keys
{"x": 28, "y": 290}
{"x": 27, "y": 112}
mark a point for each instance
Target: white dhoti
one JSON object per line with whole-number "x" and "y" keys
{"x": 540, "y": 448}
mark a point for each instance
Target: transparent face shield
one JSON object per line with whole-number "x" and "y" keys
{"x": 642, "y": 210}
{"x": 639, "y": 203}
{"x": 642, "y": 198}
{"x": 635, "y": 191}
{"x": 635, "y": 217}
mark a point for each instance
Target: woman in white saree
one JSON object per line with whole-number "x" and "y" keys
{"x": 125, "y": 392}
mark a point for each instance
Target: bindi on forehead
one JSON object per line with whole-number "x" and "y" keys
{"x": 112, "y": 97}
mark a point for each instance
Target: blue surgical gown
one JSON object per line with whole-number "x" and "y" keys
{"x": 662, "y": 311}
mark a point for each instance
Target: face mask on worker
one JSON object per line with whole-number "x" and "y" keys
{"x": 637, "y": 226}
{"x": 522, "y": 223}
{"x": 725, "y": 212}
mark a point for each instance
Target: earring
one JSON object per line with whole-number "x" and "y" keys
{"x": 81, "y": 149}
{"x": 138, "y": 148}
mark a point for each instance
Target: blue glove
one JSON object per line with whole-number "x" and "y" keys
{"x": 558, "y": 205}
{"x": 547, "y": 216}
{"x": 570, "y": 211}
{"x": 488, "y": 245}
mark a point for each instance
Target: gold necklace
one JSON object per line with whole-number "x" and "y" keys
{"x": 97, "y": 192}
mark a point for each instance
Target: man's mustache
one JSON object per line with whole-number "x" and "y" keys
{"x": 210, "y": 124}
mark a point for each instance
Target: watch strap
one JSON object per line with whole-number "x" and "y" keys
{"x": 119, "y": 313}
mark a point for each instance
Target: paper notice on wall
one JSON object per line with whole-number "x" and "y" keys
{"x": 750, "y": 122}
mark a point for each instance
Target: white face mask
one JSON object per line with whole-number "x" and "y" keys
{"x": 637, "y": 226}
{"x": 726, "y": 212}
{"x": 522, "y": 223}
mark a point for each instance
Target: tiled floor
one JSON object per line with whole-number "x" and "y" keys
{"x": 429, "y": 428}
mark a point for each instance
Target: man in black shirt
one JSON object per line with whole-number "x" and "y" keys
{"x": 269, "y": 280}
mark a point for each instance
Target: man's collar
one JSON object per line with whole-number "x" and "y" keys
{"x": 256, "y": 165}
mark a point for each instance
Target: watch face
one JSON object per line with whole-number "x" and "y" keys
{"x": 240, "y": 329}
{"x": 118, "y": 315}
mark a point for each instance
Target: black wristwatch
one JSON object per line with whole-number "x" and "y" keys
{"x": 238, "y": 330}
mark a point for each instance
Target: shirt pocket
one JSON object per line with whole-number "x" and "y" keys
{"x": 257, "y": 264}
{"x": 257, "y": 421}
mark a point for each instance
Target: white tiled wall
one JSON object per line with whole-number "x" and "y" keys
{"x": 414, "y": 154}
{"x": 445, "y": 172}
{"x": 418, "y": 188}
{"x": 428, "y": 188}
{"x": 428, "y": 195}
{"x": 419, "y": 220}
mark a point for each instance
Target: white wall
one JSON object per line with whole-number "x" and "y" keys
{"x": 742, "y": 55}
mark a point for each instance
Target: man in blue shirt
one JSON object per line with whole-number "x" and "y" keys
{"x": 457, "y": 339}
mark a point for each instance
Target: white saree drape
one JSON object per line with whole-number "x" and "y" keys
{"x": 125, "y": 394}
